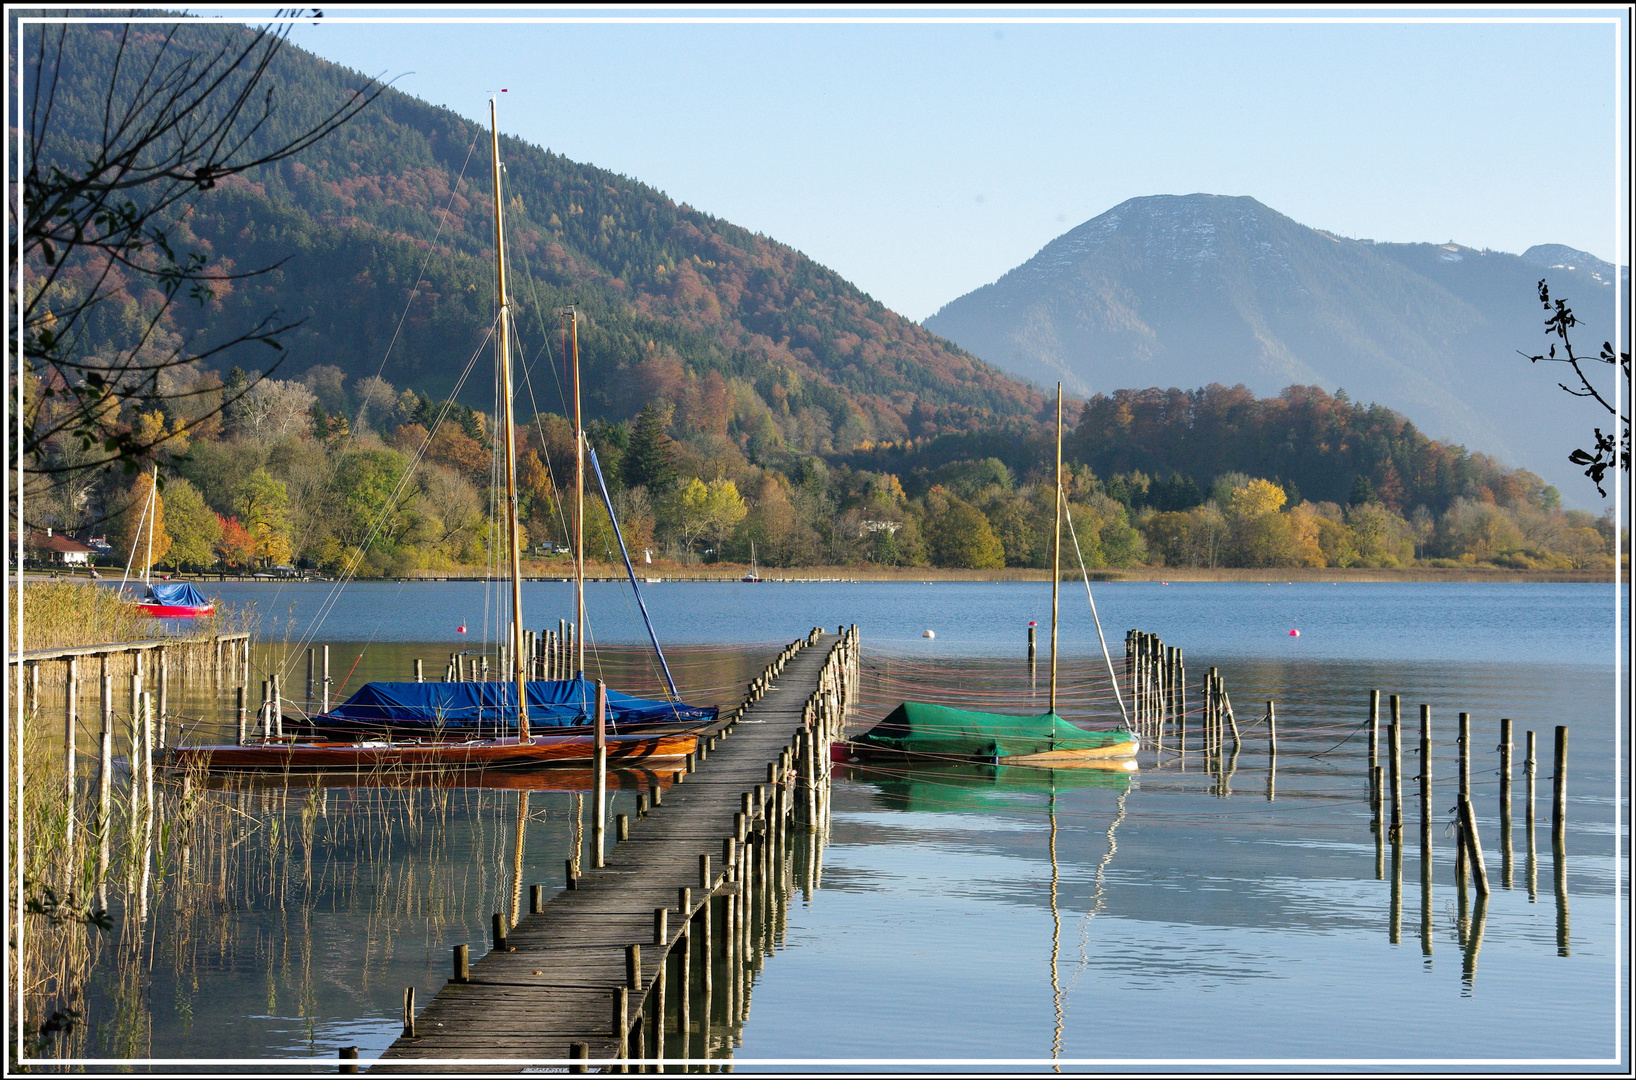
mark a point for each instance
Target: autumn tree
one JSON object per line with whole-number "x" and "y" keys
{"x": 193, "y": 526}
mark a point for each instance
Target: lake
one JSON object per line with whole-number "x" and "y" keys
{"x": 1176, "y": 917}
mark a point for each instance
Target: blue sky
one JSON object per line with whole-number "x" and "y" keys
{"x": 923, "y": 160}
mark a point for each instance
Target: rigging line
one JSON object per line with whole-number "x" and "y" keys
{"x": 528, "y": 384}
{"x": 345, "y": 577}
{"x": 1098, "y": 619}
{"x": 430, "y": 249}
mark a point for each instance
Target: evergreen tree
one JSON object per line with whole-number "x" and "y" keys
{"x": 1362, "y": 492}
{"x": 648, "y": 461}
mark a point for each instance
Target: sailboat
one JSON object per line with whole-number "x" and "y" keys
{"x": 940, "y": 731}
{"x": 392, "y": 724}
{"x": 168, "y": 599}
{"x": 752, "y": 576}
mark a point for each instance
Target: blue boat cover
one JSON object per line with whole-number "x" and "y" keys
{"x": 551, "y": 703}
{"x": 176, "y": 594}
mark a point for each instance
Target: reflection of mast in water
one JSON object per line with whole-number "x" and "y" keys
{"x": 1056, "y": 936}
{"x": 517, "y": 856}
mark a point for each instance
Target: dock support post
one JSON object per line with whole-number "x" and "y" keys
{"x": 105, "y": 772}
{"x": 599, "y": 768}
{"x": 462, "y": 964}
{"x": 239, "y": 711}
{"x": 70, "y": 728}
{"x": 323, "y": 702}
{"x": 420, "y": 672}
{"x": 312, "y": 664}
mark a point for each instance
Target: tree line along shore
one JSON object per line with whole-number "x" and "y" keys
{"x": 358, "y": 478}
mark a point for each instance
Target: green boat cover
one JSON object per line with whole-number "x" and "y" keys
{"x": 916, "y": 728}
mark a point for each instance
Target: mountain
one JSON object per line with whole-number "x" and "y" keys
{"x": 1184, "y": 291}
{"x": 382, "y": 238}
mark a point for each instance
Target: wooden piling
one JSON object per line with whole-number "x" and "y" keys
{"x": 71, "y": 692}
{"x": 348, "y": 1056}
{"x": 324, "y": 683}
{"x": 1272, "y": 729}
{"x": 462, "y": 964}
{"x": 1374, "y": 751}
{"x": 599, "y": 776}
{"x": 409, "y": 1012}
{"x": 420, "y": 672}
{"x": 499, "y": 923}
{"x": 1425, "y": 788}
{"x": 1473, "y": 846}
{"x": 1559, "y": 783}
{"x": 239, "y": 712}
{"x": 1530, "y": 769}
{"x": 312, "y": 664}
{"x": 536, "y": 899}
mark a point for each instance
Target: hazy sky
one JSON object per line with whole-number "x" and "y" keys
{"x": 923, "y": 160}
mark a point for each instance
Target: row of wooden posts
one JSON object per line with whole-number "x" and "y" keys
{"x": 148, "y": 719}
{"x": 548, "y": 654}
{"x": 1386, "y": 785}
{"x": 793, "y": 797}
{"x": 1156, "y": 675}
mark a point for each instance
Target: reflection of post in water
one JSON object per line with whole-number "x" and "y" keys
{"x": 1394, "y": 930}
{"x": 1272, "y": 775}
{"x": 579, "y": 830}
{"x": 1474, "y": 941}
{"x": 1559, "y": 862}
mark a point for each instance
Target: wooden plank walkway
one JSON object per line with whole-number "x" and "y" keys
{"x": 569, "y": 984}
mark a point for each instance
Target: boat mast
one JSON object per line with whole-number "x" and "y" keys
{"x": 153, "y": 496}
{"x": 518, "y": 670}
{"x": 579, "y": 507}
{"x": 1056, "y": 556}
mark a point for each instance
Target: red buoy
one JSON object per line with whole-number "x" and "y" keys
{"x": 460, "y": 629}
{"x": 1295, "y": 633}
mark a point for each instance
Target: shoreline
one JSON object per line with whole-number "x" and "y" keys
{"x": 929, "y": 574}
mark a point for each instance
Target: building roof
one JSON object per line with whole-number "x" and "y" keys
{"x": 64, "y": 544}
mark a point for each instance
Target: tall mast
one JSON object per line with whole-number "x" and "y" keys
{"x": 153, "y": 500}
{"x": 1056, "y": 556}
{"x": 579, "y": 508}
{"x": 518, "y": 669}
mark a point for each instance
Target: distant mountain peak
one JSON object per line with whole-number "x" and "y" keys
{"x": 1186, "y": 290}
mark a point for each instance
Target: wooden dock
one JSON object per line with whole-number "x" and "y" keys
{"x": 637, "y": 959}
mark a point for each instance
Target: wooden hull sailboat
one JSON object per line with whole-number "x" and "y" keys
{"x": 1043, "y": 741}
{"x": 331, "y": 756}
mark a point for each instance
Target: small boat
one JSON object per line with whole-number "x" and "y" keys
{"x": 1045, "y": 740}
{"x": 752, "y": 576}
{"x": 167, "y": 600}
{"x": 325, "y": 756}
{"x": 175, "y": 600}
{"x": 950, "y": 734}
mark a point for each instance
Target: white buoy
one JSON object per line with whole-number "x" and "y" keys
{"x": 927, "y": 633}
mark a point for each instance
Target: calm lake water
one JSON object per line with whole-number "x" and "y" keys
{"x": 1176, "y": 915}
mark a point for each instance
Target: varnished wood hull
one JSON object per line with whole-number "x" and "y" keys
{"x": 1058, "y": 758}
{"x": 331, "y": 756}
